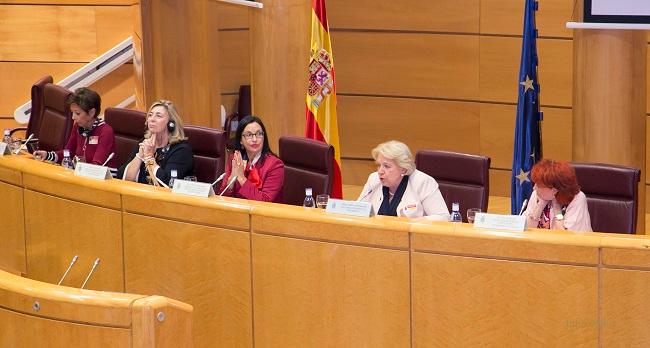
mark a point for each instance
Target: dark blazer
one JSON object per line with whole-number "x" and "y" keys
{"x": 179, "y": 156}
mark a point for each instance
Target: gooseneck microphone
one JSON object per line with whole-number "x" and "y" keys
{"x": 108, "y": 159}
{"x": 92, "y": 270}
{"x": 24, "y": 145}
{"x": 219, "y": 178}
{"x": 230, "y": 181}
{"x": 368, "y": 193}
{"x": 523, "y": 206}
{"x": 74, "y": 260}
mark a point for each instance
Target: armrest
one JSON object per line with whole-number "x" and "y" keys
{"x": 18, "y": 129}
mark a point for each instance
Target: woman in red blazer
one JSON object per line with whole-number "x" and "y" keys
{"x": 253, "y": 171}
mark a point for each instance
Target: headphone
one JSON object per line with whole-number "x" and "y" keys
{"x": 86, "y": 132}
{"x": 171, "y": 126}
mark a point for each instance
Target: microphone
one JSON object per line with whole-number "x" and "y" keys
{"x": 219, "y": 178}
{"x": 230, "y": 181}
{"x": 108, "y": 159}
{"x": 74, "y": 260}
{"x": 523, "y": 206}
{"x": 91, "y": 272}
{"x": 24, "y": 146}
{"x": 368, "y": 193}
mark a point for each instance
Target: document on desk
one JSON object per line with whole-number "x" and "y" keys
{"x": 500, "y": 222}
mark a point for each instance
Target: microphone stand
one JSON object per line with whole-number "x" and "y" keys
{"x": 90, "y": 273}
{"x": 74, "y": 260}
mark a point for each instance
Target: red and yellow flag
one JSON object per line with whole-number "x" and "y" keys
{"x": 321, "y": 94}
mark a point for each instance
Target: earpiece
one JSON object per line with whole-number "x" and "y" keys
{"x": 171, "y": 126}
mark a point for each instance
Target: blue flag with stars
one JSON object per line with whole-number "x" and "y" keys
{"x": 527, "y": 145}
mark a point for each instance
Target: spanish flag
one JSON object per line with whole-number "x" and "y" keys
{"x": 321, "y": 94}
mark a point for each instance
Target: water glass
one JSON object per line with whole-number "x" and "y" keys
{"x": 321, "y": 200}
{"x": 190, "y": 178}
{"x": 78, "y": 159}
{"x": 33, "y": 147}
{"x": 471, "y": 214}
{"x": 15, "y": 146}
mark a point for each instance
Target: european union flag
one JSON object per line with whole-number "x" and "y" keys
{"x": 527, "y": 149}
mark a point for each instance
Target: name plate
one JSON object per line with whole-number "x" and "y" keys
{"x": 355, "y": 208}
{"x": 192, "y": 188}
{"x": 4, "y": 149}
{"x": 500, "y": 222}
{"x": 92, "y": 171}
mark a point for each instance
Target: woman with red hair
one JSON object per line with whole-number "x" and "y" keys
{"x": 557, "y": 202}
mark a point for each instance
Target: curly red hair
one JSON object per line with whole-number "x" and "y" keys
{"x": 559, "y": 175}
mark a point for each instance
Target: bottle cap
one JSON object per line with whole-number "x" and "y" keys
{"x": 308, "y": 191}
{"x": 174, "y": 173}
{"x": 66, "y": 153}
{"x": 455, "y": 206}
{"x": 7, "y": 131}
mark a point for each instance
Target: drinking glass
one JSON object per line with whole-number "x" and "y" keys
{"x": 471, "y": 214}
{"x": 78, "y": 159}
{"x": 190, "y": 178}
{"x": 321, "y": 200}
{"x": 15, "y": 146}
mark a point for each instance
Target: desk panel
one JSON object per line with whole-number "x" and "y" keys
{"x": 56, "y": 229}
{"x": 20, "y": 330}
{"x": 625, "y": 308}
{"x": 471, "y": 302}
{"x": 204, "y": 266}
{"x": 12, "y": 247}
{"x": 318, "y": 294}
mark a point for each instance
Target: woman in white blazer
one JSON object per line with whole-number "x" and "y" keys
{"x": 398, "y": 189}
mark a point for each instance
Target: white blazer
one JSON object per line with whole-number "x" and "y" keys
{"x": 422, "y": 197}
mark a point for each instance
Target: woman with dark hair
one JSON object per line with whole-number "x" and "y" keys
{"x": 254, "y": 171}
{"x": 163, "y": 149}
{"x": 91, "y": 140}
{"x": 557, "y": 202}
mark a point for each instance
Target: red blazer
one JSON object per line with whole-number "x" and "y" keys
{"x": 95, "y": 148}
{"x": 270, "y": 170}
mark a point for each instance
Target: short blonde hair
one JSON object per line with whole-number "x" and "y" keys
{"x": 178, "y": 134}
{"x": 398, "y": 152}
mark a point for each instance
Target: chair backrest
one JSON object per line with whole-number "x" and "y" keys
{"x": 209, "y": 148}
{"x": 612, "y": 195}
{"x": 38, "y": 97}
{"x": 463, "y": 178}
{"x": 128, "y": 127}
{"x": 50, "y": 120}
{"x": 307, "y": 163}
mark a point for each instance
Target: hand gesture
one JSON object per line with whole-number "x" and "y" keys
{"x": 238, "y": 165}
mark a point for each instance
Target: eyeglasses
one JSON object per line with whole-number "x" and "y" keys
{"x": 249, "y": 136}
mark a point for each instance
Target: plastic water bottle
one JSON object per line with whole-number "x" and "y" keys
{"x": 67, "y": 161}
{"x": 309, "y": 199}
{"x": 455, "y": 212}
{"x": 174, "y": 174}
{"x": 7, "y": 138}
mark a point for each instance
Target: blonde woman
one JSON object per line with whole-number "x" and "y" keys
{"x": 163, "y": 149}
{"x": 398, "y": 189}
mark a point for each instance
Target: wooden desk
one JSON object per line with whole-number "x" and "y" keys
{"x": 38, "y": 314}
{"x": 290, "y": 276}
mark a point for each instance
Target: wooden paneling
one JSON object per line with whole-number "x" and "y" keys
{"x": 461, "y": 301}
{"x": 506, "y": 17}
{"x": 460, "y": 16}
{"x": 407, "y": 64}
{"x": 12, "y": 247}
{"x": 230, "y": 16}
{"x": 18, "y": 78}
{"x": 421, "y": 124}
{"x": 625, "y": 309}
{"x": 21, "y": 330}
{"x": 355, "y": 172}
{"x": 114, "y": 24}
{"x": 500, "y": 182}
{"x": 310, "y": 294}
{"x": 53, "y": 239}
{"x": 499, "y": 70}
{"x": 234, "y": 60}
{"x": 206, "y": 267}
{"x": 497, "y": 133}
{"x": 116, "y": 87}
